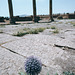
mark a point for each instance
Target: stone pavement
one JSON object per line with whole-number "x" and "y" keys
{"x": 56, "y": 51}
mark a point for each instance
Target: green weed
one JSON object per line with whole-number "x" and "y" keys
{"x": 29, "y": 31}
{"x": 2, "y": 26}
{"x": 68, "y": 73}
{"x": 25, "y": 29}
{"x": 1, "y": 31}
{"x": 74, "y": 25}
{"x": 56, "y": 31}
{"x": 53, "y": 27}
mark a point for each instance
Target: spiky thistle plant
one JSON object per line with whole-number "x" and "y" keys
{"x": 33, "y": 66}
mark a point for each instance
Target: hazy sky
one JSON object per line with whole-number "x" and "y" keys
{"x": 21, "y": 7}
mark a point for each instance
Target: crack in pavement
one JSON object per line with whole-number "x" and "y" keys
{"x": 68, "y": 30}
{"x": 64, "y": 47}
{"x": 8, "y": 41}
{"x": 13, "y": 51}
{"x": 19, "y": 54}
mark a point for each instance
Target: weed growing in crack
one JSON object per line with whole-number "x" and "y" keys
{"x": 72, "y": 22}
{"x": 48, "y": 24}
{"x": 2, "y": 26}
{"x": 1, "y": 31}
{"x": 33, "y": 66}
{"x": 53, "y": 27}
{"x": 47, "y": 27}
{"x": 56, "y": 31}
{"x": 29, "y": 31}
{"x": 19, "y": 34}
{"x": 74, "y": 25}
{"x": 40, "y": 29}
{"x": 25, "y": 29}
{"x": 34, "y": 31}
{"x": 68, "y": 73}
{"x": 64, "y": 73}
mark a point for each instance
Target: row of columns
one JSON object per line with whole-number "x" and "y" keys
{"x": 34, "y": 11}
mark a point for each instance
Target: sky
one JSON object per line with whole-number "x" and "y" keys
{"x": 21, "y": 7}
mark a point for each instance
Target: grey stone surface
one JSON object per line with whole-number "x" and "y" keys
{"x": 10, "y": 63}
{"x": 5, "y": 38}
{"x": 42, "y": 47}
{"x": 56, "y": 59}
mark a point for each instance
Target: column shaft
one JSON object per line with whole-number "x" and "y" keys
{"x": 11, "y": 11}
{"x": 50, "y": 10}
{"x": 34, "y": 11}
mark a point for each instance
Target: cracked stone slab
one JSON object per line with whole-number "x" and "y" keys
{"x": 68, "y": 34}
{"x": 42, "y": 47}
{"x": 65, "y": 42}
{"x": 4, "y": 38}
{"x": 10, "y": 63}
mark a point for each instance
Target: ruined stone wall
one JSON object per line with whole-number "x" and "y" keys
{"x": 30, "y": 18}
{"x": 1, "y": 19}
{"x": 71, "y": 16}
{"x": 68, "y": 16}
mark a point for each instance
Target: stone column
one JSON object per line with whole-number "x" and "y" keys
{"x": 74, "y": 12}
{"x": 11, "y": 12}
{"x": 50, "y": 10}
{"x": 34, "y": 11}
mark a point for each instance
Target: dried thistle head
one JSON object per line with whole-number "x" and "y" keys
{"x": 33, "y": 66}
